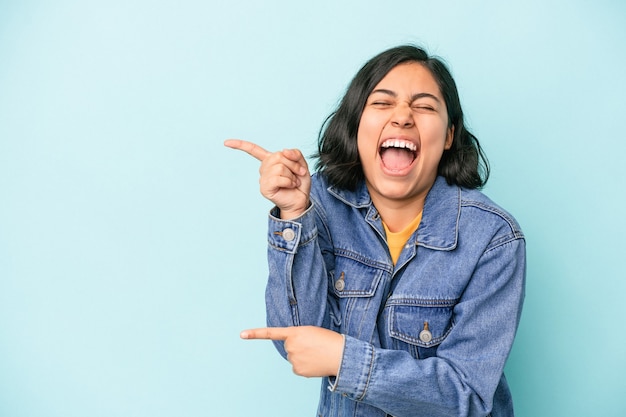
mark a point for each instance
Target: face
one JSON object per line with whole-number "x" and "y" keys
{"x": 402, "y": 134}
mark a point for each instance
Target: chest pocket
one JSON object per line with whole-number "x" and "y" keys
{"x": 354, "y": 279}
{"x": 419, "y": 326}
{"x": 354, "y": 297}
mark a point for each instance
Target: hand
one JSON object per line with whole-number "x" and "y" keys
{"x": 312, "y": 351}
{"x": 285, "y": 178}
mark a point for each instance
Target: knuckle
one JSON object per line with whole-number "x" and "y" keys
{"x": 297, "y": 370}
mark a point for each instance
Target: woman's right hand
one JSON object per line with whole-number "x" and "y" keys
{"x": 285, "y": 178}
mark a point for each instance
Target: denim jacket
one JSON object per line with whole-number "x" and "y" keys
{"x": 427, "y": 337}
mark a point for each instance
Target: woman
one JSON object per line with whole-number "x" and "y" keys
{"x": 390, "y": 275}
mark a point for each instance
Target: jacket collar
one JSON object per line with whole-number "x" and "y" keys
{"x": 440, "y": 219}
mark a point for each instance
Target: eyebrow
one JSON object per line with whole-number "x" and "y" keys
{"x": 413, "y": 97}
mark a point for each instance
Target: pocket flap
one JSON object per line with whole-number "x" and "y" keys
{"x": 355, "y": 280}
{"x": 409, "y": 318}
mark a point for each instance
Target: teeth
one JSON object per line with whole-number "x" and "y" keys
{"x": 397, "y": 143}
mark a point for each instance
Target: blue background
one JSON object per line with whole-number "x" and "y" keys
{"x": 132, "y": 243}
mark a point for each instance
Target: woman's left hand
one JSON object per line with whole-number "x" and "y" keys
{"x": 312, "y": 351}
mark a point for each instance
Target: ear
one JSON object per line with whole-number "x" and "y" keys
{"x": 449, "y": 138}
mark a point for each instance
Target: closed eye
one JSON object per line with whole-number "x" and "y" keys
{"x": 424, "y": 107}
{"x": 380, "y": 103}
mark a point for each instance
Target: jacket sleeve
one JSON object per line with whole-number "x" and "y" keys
{"x": 462, "y": 378}
{"x": 297, "y": 288}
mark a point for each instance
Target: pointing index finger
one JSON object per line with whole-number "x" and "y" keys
{"x": 266, "y": 333}
{"x": 250, "y": 148}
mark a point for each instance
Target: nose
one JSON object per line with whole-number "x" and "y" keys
{"x": 402, "y": 117}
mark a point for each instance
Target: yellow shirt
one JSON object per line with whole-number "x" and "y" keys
{"x": 396, "y": 240}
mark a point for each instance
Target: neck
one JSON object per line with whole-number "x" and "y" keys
{"x": 398, "y": 214}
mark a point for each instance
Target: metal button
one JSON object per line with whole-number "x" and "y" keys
{"x": 340, "y": 284}
{"x": 425, "y": 335}
{"x": 289, "y": 234}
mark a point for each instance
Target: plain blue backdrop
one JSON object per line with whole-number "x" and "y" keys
{"x": 132, "y": 243}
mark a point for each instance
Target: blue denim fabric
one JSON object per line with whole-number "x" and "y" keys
{"x": 462, "y": 274}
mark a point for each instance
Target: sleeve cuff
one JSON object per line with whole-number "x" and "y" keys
{"x": 355, "y": 370}
{"x": 286, "y": 235}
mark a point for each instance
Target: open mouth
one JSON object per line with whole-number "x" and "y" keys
{"x": 397, "y": 154}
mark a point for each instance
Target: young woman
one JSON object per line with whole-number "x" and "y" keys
{"x": 390, "y": 275}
